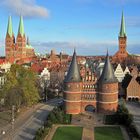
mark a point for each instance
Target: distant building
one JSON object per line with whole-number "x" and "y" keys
{"x": 122, "y": 53}
{"x": 119, "y": 74}
{"x": 45, "y": 74}
{"x": 126, "y": 71}
{"x": 131, "y": 85}
{"x": 5, "y": 67}
{"x": 88, "y": 93}
{"x": 20, "y": 48}
{"x": 99, "y": 69}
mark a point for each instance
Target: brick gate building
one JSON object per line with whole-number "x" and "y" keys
{"x": 101, "y": 94}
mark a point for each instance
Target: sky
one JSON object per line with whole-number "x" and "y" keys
{"x": 90, "y": 26}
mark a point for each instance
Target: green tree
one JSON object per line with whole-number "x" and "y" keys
{"x": 20, "y": 87}
{"x": 14, "y": 97}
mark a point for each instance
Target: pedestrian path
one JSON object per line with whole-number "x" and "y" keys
{"x": 88, "y": 134}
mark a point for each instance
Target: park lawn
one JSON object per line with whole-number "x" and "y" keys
{"x": 68, "y": 133}
{"x": 108, "y": 133}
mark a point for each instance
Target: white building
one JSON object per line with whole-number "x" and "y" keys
{"x": 45, "y": 74}
{"x": 45, "y": 78}
{"x": 5, "y": 66}
{"x": 119, "y": 74}
{"x": 126, "y": 71}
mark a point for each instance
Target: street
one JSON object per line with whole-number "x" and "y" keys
{"x": 26, "y": 126}
{"x": 134, "y": 109}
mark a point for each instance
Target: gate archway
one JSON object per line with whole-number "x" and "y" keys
{"x": 90, "y": 108}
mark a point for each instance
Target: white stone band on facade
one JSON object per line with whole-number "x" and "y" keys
{"x": 108, "y": 92}
{"x": 108, "y": 102}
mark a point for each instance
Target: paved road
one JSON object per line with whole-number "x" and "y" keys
{"x": 27, "y": 125}
{"x": 134, "y": 108}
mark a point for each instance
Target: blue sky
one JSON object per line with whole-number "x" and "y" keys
{"x": 91, "y": 26}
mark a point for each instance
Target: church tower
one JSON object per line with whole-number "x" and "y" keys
{"x": 122, "y": 38}
{"x": 9, "y": 40}
{"x": 72, "y": 88}
{"x": 21, "y": 39}
{"x": 122, "y": 53}
{"x": 107, "y": 89}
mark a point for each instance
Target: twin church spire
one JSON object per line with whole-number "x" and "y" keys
{"x": 10, "y": 27}
{"x": 20, "y": 29}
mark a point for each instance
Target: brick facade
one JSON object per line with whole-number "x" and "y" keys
{"x": 102, "y": 97}
{"x": 17, "y": 49}
{"x": 122, "y": 54}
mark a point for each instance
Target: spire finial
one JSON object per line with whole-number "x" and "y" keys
{"x": 9, "y": 27}
{"x": 21, "y": 27}
{"x": 122, "y": 29}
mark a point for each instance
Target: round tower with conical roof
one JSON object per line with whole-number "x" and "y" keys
{"x": 72, "y": 88}
{"x": 107, "y": 89}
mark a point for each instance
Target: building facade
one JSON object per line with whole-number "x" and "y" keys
{"x": 80, "y": 94}
{"x": 19, "y": 48}
{"x": 119, "y": 73}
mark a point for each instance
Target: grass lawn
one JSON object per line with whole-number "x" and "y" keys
{"x": 108, "y": 133}
{"x": 68, "y": 133}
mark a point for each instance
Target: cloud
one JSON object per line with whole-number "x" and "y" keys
{"x": 133, "y": 21}
{"x": 27, "y": 8}
{"x": 83, "y": 48}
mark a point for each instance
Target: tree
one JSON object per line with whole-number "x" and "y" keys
{"x": 14, "y": 97}
{"x": 20, "y": 87}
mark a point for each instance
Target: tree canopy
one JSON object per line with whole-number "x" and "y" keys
{"x": 20, "y": 87}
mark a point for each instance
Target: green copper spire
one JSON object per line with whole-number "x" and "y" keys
{"x": 21, "y": 27}
{"x": 9, "y": 28}
{"x": 122, "y": 29}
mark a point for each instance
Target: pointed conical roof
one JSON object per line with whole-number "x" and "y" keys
{"x": 126, "y": 71}
{"x": 107, "y": 75}
{"x": 9, "y": 27}
{"x": 73, "y": 72}
{"x": 21, "y": 27}
{"x": 122, "y": 29}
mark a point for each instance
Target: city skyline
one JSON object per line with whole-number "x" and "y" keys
{"x": 89, "y": 25}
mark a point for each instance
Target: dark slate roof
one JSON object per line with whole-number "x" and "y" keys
{"x": 73, "y": 74}
{"x": 107, "y": 75}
